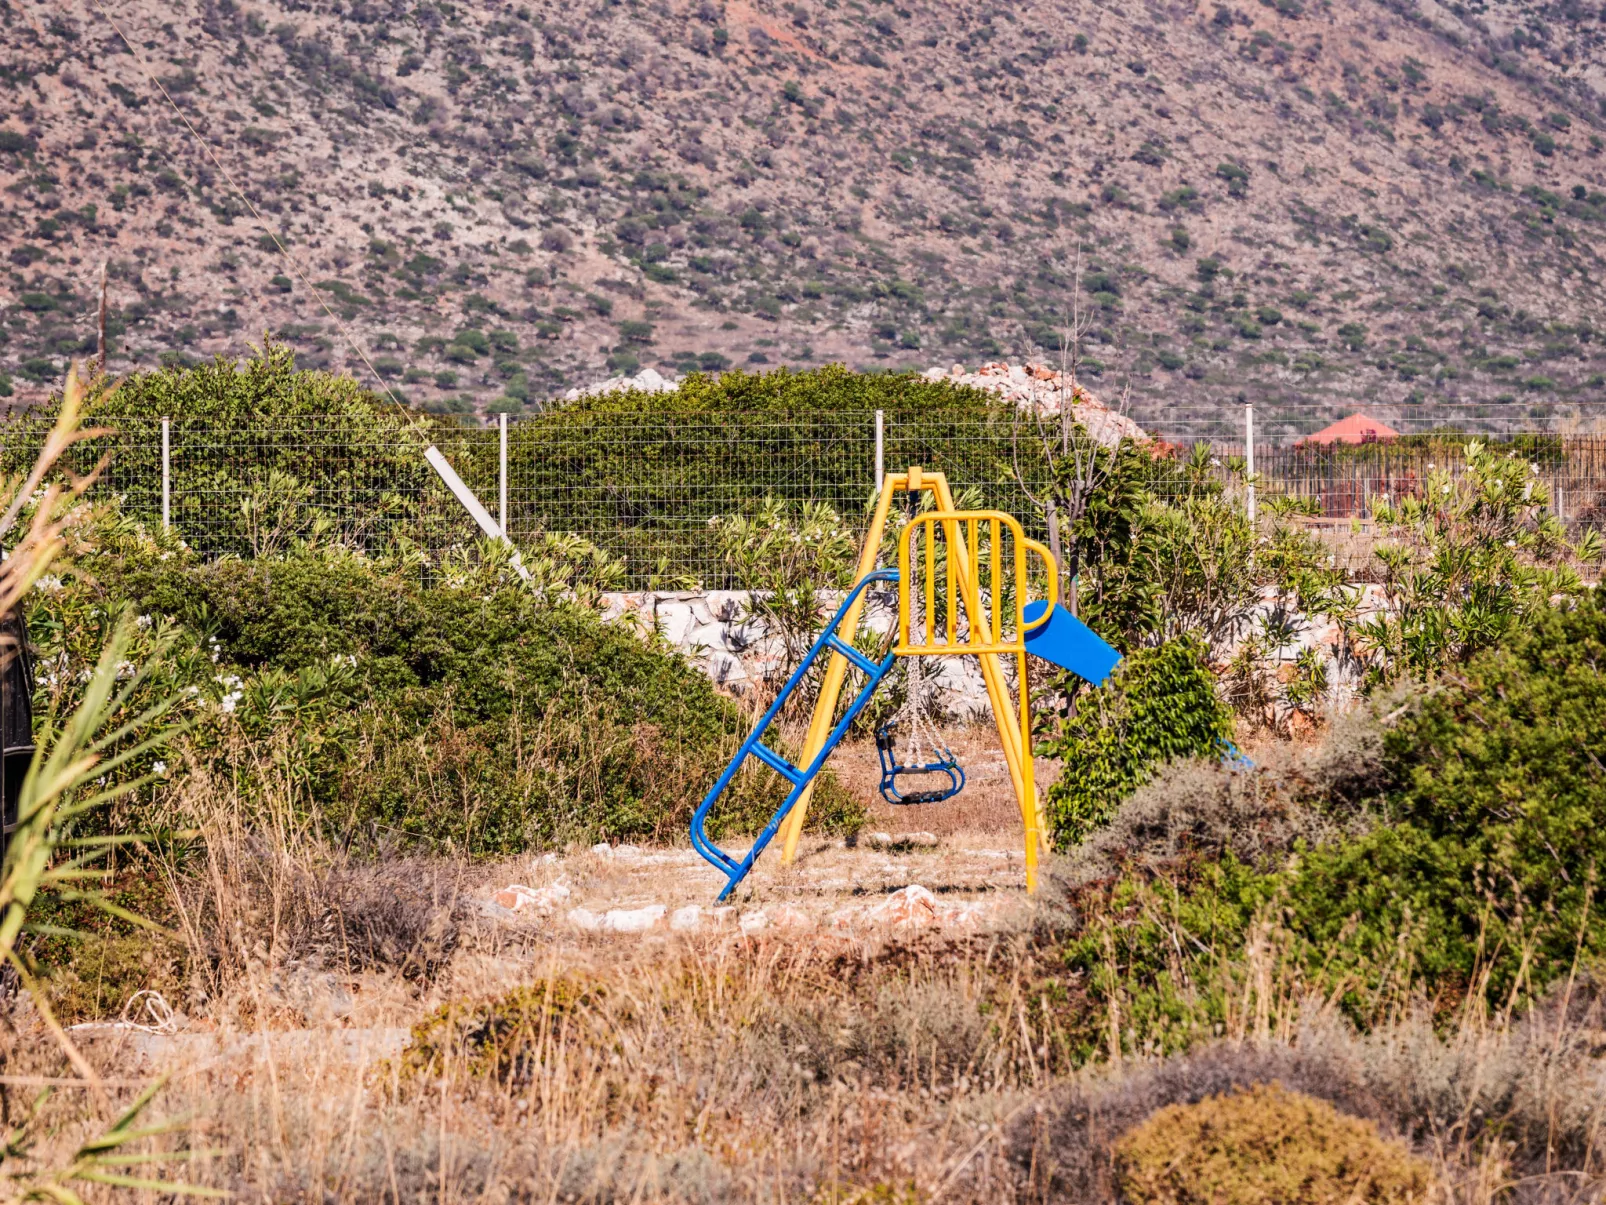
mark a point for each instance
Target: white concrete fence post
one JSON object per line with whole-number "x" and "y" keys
{"x": 1249, "y": 459}
{"x": 880, "y": 450}
{"x": 167, "y": 475}
{"x": 501, "y": 476}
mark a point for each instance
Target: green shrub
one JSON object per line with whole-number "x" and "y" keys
{"x": 1265, "y": 1146}
{"x": 1237, "y": 178}
{"x": 1160, "y": 704}
{"x": 1500, "y": 803}
{"x": 472, "y": 712}
{"x": 473, "y": 339}
{"x": 257, "y": 427}
{"x": 676, "y": 466}
{"x": 1353, "y": 335}
{"x": 1481, "y": 883}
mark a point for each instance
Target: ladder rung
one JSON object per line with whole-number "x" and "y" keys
{"x": 852, "y": 654}
{"x": 776, "y": 762}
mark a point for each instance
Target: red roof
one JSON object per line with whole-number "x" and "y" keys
{"x": 1356, "y": 429}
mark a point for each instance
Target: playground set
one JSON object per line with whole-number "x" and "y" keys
{"x": 962, "y": 581}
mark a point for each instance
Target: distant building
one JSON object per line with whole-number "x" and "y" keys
{"x": 1356, "y": 429}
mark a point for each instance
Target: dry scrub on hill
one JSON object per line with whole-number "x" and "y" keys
{"x": 1395, "y": 203}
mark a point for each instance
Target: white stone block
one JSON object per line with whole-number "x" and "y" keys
{"x": 633, "y": 920}
{"x": 675, "y": 622}
{"x": 913, "y": 905}
{"x": 728, "y": 606}
{"x": 725, "y": 668}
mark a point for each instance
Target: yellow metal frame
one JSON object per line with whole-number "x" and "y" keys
{"x": 983, "y": 634}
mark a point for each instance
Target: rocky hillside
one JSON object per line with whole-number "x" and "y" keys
{"x": 1314, "y": 204}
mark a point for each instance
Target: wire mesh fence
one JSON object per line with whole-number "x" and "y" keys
{"x": 1346, "y": 481}
{"x": 647, "y": 487}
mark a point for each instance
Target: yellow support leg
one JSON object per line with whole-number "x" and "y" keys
{"x": 836, "y": 671}
{"x": 1016, "y": 742}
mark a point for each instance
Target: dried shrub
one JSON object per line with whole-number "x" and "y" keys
{"x": 1520, "y": 1096}
{"x": 1262, "y": 1146}
{"x": 1202, "y": 806}
{"x": 505, "y": 1037}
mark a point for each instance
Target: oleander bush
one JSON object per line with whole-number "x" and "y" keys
{"x": 1159, "y": 705}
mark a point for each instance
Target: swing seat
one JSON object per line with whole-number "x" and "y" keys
{"x": 891, "y": 768}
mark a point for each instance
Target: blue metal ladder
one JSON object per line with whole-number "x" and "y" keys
{"x": 799, "y": 777}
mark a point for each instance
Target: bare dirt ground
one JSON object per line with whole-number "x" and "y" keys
{"x": 937, "y": 870}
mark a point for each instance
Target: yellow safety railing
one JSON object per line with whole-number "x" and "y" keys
{"x": 968, "y": 614}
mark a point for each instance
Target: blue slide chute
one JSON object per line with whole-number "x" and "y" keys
{"x": 1069, "y": 643}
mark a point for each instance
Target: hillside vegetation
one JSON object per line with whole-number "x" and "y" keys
{"x": 1312, "y": 203}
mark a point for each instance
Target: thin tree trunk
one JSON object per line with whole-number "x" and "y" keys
{"x": 1051, "y": 513}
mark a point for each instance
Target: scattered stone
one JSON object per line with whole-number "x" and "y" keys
{"x": 683, "y": 919}
{"x": 618, "y": 920}
{"x": 602, "y": 849}
{"x": 754, "y": 922}
{"x": 646, "y": 381}
{"x": 518, "y": 897}
{"x": 633, "y": 920}
{"x": 792, "y": 918}
{"x": 913, "y": 905}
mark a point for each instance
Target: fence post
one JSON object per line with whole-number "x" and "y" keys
{"x": 501, "y": 476}
{"x": 880, "y": 450}
{"x": 167, "y": 475}
{"x": 1249, "y": 458}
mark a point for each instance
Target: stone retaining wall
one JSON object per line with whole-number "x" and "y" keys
{"x": 719, "y": 632}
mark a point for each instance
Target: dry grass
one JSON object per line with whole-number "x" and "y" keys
{"x": 719, "y": 1067}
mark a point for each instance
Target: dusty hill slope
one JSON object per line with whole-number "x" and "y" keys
{"x": 1321, "y": 202}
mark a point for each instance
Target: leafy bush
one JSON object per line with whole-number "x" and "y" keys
{"x": 1265, "y": 1146}
{"x": 1476, "y": 555}
{"x": 788, "y": 559}
{"x": 1160, "y": 704}
{"x": 473, "y": 712}
{"x": 1162, "y": 549}
{"x": 1500, "y": 807}
{"x": 650, "y": 496}
{"x": 1479, "y": 888}
{"x": 244, "y": 430}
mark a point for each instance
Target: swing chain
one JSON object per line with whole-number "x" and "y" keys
{"x": 925, "y": 751}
